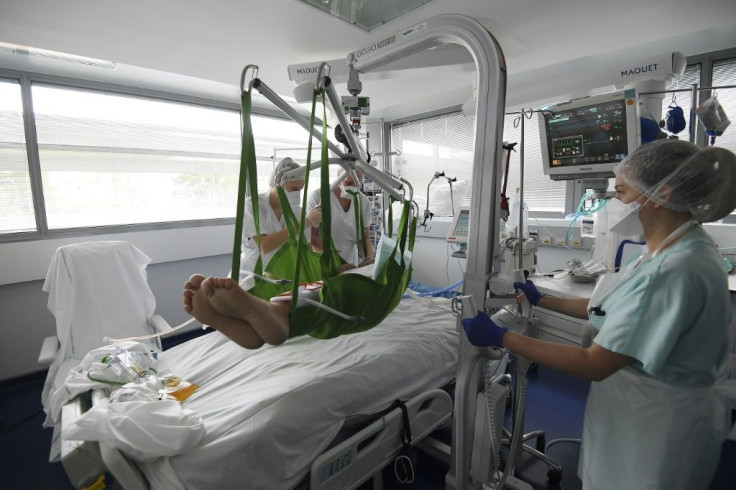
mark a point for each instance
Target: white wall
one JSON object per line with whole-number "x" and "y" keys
{"x": 29, "y": 260}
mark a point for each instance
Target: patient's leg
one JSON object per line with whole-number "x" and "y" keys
{"x": 269, "y": 320}
{"x": 197, "y": 304}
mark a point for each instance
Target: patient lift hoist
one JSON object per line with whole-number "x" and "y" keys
{"x": 469, "y": 469}
{"x": 483, "y": 261}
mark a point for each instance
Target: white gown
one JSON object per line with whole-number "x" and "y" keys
{"x": 269, "y": 223}
{"x": 640, "y": 432}
{"x": 343, "y": 224}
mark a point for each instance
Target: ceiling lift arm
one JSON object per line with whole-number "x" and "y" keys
{"x": 287, "y": 109}
{"x": 385, "y": 181}
{"x": 491, "y": 71}
{"x": 388, "y": 183}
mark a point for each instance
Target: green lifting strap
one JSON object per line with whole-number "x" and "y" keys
{"x": 359, "y": 226}
{"x": 391, "y": 201}
{"x": 247, "y": 180}
{"x": 357, "y": 295}
{"x": 295, "y": 260}
{"x": 352, "y": 294}
{"x": 329, "y": 252}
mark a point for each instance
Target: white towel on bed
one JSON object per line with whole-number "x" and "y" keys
{"x": 143, "y": 429}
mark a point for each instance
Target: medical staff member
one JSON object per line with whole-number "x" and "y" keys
{"x": 655, "y": 416}
{"x": 273, "y": 232}
{"x": 344, "y": 235}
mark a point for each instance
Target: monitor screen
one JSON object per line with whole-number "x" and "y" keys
{"x": 460, "y": 227}
{"x": 586, "y": 138}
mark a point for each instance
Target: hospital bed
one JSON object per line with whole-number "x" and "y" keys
{"x": 274, "y": 416}
{"x": 481, "y": 264}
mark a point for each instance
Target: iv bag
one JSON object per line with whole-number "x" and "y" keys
{"x": 712, "y": 117}
{"x": 514, "y": 208}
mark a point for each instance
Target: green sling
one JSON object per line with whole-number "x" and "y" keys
{"x": 355, "y": 295}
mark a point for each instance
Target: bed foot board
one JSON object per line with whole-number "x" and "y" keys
{"x": 365, "y": 454}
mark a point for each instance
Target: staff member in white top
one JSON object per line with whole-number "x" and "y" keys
{"x": 272, "y": 225}
{"x": 344, "y": 234}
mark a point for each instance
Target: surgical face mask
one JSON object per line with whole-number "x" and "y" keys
{"x": 623, "y": 219}
{"x": 294, "y": 198}
{"x": 348, "y": 191}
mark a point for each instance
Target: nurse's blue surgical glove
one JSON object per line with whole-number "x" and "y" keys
{"x": 530, "y": 291}
{"x": 482, "y": 332}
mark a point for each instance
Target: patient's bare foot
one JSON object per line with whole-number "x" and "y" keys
{"x": 197, "y": 304}
{"x": 269, "y": 320}
{"x": 193, "y": 284}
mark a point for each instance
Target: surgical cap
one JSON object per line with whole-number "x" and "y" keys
{"x": 682, "y": 177}
{"x": 281, "y": 169}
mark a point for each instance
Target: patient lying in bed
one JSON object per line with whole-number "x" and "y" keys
{"x": 244, "y": 318}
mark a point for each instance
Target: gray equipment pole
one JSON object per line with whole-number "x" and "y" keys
{"x": 386, "y": 182}
{"x": 301, "y": 120}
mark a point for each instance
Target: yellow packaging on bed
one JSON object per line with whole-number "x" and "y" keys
{"x": 185, "y": 392}
{"x": 177, "y": 388}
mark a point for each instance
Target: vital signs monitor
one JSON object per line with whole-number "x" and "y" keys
{"x": 585, "y": 138}
{"x": 459, "y": 229}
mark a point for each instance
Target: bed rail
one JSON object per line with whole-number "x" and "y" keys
{"x": 366, "y": 453}
{"x": 345, "y": 466}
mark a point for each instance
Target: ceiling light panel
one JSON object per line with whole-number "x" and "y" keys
{"x": 366, "y": 14}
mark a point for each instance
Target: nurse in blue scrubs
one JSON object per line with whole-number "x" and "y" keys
{"x": 656, "y": 413}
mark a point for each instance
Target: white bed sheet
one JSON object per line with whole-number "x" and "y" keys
{"x": 269, "y": 412}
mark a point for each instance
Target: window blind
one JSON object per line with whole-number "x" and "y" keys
{"x": 445, "y": 143}
{"x": 16, "y": 200}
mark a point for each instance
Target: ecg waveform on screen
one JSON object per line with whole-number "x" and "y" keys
{"x": 588, "y": 134}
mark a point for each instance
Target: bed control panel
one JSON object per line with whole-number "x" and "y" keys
{"x": 336, "y": 464}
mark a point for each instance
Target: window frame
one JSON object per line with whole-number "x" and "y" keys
{"x": 42, "y": 232}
